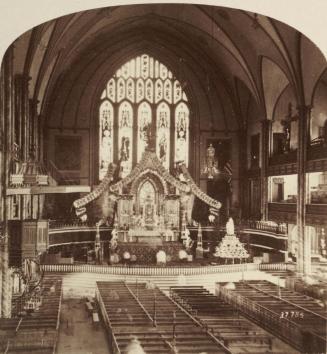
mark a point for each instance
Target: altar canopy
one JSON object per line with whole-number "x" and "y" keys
{"x": 149, "y": 201}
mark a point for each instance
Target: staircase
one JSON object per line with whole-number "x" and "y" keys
{"x": 77, "y": 285}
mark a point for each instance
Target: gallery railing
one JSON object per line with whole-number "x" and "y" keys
{"x": 269, "y": 226}
{"x": 260, "y": 225}
{"x": 71, "y": 223}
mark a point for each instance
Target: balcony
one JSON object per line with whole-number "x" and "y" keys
{"x": 316, "y": 214}
{"x": 283, "y": 158}
{"x": 282, "y": 212}
{"x": 317, "y": 150}
{"x": 265, "y": 226}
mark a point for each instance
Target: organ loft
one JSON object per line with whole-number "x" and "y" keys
{"x": 163, "y": 185}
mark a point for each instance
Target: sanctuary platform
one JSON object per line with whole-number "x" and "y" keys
{"x": 150, "y": 211}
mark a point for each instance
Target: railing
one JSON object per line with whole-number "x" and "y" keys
{"x": 260, "y": 225}
{"x": 275, "y": 266}
{"x": 269, "y": 226}
{"x": 29, "y": 343}
{"x": 135, "y": 297}
{"x": 282, "y": 327}
{"x": 58, "y": 176}
{"x": 71, "y": 223}
{"x": 183, "y": 306}
{"x": 59, "y": 308}
{"x": 162, "y": 271}
{"x": 281, "y": 300}
{"x": 114, "y": 348}
{"x": 149, "y": 270}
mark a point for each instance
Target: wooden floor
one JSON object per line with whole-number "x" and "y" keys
{"x": 77, "y": 333}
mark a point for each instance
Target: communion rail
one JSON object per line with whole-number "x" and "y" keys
{"x": 162, "y": 271}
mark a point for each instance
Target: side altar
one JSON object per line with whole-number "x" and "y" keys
{"x": 148, "y": 206}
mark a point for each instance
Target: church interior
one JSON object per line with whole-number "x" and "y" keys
{"x": 163, "y": 184}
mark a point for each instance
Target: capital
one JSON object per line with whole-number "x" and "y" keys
{"x": 304, "y": 109}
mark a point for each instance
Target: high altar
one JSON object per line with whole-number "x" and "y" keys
{"x": 149, "y": 206}
{"x": 147, "y": 210}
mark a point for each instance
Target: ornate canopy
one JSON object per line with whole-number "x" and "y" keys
{"x": 149, "y": 164}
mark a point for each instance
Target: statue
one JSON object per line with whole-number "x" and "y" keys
{"x": 163, "y": 149}
{"x": 188, "y": 242}
{"x": 106, "y": 146}
{"x": 113, "y": 240}
{"x": 161, "y": 257}
{"x": 181, "y": 147}
{"x": 230, "y": 227}
{"x": 211, "y": 163}
{"x": 124, "y": 149}
{"x": 287, "y": 135}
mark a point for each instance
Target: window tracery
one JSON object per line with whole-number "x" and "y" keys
{"x": 143, "y": 92}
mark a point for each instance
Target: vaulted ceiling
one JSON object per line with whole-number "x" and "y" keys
{"x": 236, "y": 55}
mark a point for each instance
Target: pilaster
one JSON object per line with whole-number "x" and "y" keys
{"x": 265, "y": 152}
{"x": 7, "y": 115}
{"x": 243, "y": 153}
{"x": 304, "y": 249}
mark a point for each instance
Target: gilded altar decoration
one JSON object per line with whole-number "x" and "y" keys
{"x": 197, "y": 191}
{"x": 149, "y": 202}
{"x": 230, "y": 246}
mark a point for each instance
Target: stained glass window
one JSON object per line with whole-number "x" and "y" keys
{"x": 125, "y": 137}
{"x": 181, "y": 133}
{"x": 144, "y": 118}
{"x": 106, "y": 134}
{"x": 163, "y": 134}
{"x": 142, "y": 92}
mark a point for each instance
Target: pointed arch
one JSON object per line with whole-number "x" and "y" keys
{"x": 144, "y": 92}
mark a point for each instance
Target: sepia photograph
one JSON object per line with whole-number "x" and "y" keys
{"x": 163, "y": 185}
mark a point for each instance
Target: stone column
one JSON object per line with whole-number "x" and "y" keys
{"x": 7, "y": 117}
{"x": 22, "y": 114}
{"x": 304, "y": 248}
{"x": 265, "y": 152}
{"x": 243, "y": 181}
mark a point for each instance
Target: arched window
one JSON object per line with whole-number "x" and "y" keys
{"x": 106, "y": 134}
{"x": 181, "y": 132}
{"x": 125, "y": 136}
{"x": 144, "y": 118}
{"x": 163, "y": 133}
{"x": 142, "y": 95}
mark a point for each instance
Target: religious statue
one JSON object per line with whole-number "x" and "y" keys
{"x": 230, "y": 227}
{"x": 181, "y": 146}
{"x": 188, "y": 243}
{"x": 161, "y": 257}
{"x": 287, "y": 136}
{"x": 287, "y": 129}
{"x": 124, "y": 149}
{"x": 211, "y": 162}
{"x": 106, "y": 145}
{"x": 162, "y": 149}
{"x": 113, "y": 240}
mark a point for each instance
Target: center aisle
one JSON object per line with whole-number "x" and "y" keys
{"x": 77, "y": 335}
